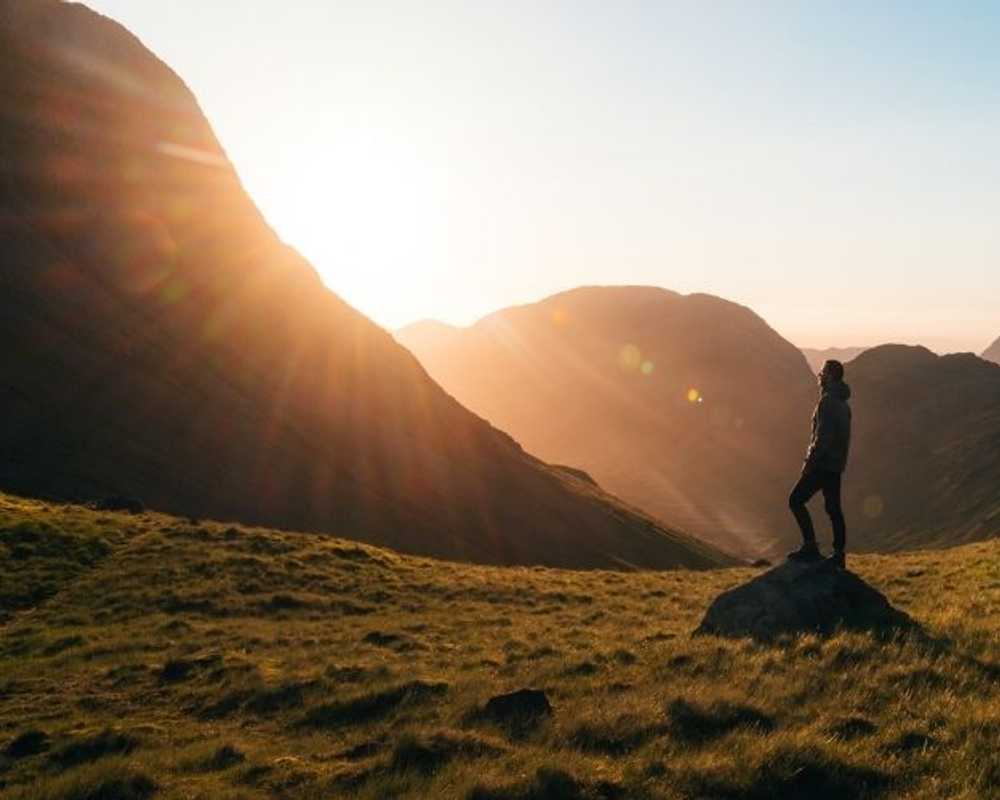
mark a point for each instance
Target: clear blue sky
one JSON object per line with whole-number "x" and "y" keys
{"x": 833, "y": 165}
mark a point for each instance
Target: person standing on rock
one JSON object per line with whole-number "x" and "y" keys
{"x": 824, "y": 466}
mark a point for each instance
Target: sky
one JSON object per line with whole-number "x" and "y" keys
{"x": 832, "y": 165}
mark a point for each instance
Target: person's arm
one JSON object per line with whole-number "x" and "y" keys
{"x": 824, "y": 435}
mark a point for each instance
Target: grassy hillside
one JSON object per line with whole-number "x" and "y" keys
{"x": 151, "y": 656}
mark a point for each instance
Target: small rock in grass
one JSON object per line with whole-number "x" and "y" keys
{"x": 519, "y": 705}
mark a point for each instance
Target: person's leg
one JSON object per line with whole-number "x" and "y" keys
{"x": 831, "y": 497}
{"x": 808, "y": 484}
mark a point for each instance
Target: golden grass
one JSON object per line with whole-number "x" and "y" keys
{"x": 172, "y": 658}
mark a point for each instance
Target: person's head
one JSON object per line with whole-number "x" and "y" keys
{"x": 832, "y": 372}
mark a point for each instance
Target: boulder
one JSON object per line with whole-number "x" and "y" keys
{"x": 522, "y": 705}
{"x": 801, "y": 598}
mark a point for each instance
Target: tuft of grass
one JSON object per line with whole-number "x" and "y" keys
{"x": 91, "y": 748}
{"x": 551, "y": 784}
{"x": 215, "y": 759}
{"x": 790, "y": 773}
{"x": 371, "y": 706}
{"x": 693, "y": 724}
{"x": 428, "y": 753}
{"x": 112, "y": 780}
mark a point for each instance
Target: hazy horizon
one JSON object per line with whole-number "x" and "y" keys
{"x": 818, "y": 347}
{"x": 833, "y": 168}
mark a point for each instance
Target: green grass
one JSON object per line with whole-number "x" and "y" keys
{"x": 148, "y": 656}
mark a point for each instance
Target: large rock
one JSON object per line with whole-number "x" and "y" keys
{"x": 802, "y": 598}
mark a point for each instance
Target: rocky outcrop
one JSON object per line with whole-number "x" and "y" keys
{"x": 802, "y": 598}
{"x": 522, "y": 703}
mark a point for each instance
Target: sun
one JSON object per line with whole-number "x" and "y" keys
{"x": 369, "y": 214}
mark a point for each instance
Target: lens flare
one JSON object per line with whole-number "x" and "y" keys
{"x": 629, "y": 358}
{"x": 646, "y": 368}
{"x": 873, "y": 506}
{"x": 694, "y": 396}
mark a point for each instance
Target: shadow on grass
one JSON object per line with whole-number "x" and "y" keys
{"x": 82, "y": 751}
{"x": 372, "y": 706}
{"x": 614, "y": 738}
{"x": 794, "y": 775}
{"x": 693, "y": 724}
{"x": 553, "y": 784}
{"x": 29, "y": 743}
{"x": 428, "y": 754}
{"x": 222, "y": 758}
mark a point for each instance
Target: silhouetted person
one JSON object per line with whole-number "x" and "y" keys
{"x": 824, "y": 465}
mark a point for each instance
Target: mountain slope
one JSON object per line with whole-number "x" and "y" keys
{"x": 566, "y": 376}
{"x": 992, "y": 353}
{"x": 817, "y": 358}
{"x": 689, "y": 406}
{"x": 160, "y": 341}
{"x": 174, "y": 660}
{"x": 924, "y": 469}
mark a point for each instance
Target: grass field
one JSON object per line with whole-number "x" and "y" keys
{"x": 148, "y": 656}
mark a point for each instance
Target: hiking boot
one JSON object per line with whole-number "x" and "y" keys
{"x": 838, "y": 559}
{"x": 808, "y": 552}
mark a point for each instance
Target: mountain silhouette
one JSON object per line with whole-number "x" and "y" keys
{"x": 161, "y": 342}
{"x": 817, "y": 358}
{"x": 689, "y": 406}
{"x": 992, "y": 353}
{"x": 924, "y": 469}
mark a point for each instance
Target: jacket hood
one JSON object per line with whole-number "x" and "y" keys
{"x": 838, "y": 389}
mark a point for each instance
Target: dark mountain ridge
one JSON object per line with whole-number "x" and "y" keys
{"x": 161, "y": 341}
{"x": 924, "y": 470}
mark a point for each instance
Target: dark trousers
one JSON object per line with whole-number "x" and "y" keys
{"x": 811, "y": 482}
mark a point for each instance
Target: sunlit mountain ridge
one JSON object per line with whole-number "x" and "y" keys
{"x": 161, "y": 342}
{"x": 694, "y": 408}
{"x": 690, "y": 406}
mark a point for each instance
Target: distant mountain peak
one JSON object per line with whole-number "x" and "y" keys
{"x": 992, "y": 353}
{"x": 818, "y": 356}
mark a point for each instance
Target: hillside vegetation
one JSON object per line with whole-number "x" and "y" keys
{"x": 149, "y": 656}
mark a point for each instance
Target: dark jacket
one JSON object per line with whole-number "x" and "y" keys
{"x": 831, "y": 430}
